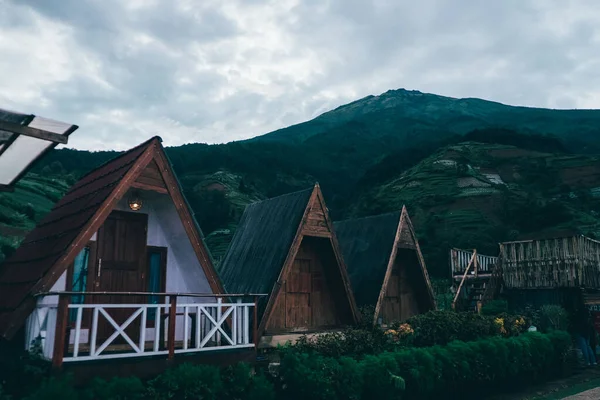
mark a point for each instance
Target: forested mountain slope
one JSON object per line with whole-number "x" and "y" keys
{"x": 472, "y": 172}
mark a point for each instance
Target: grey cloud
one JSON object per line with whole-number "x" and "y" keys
{"x": 160, "y": 68}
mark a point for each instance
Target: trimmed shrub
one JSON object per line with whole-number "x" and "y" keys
{"x": 18, "y": 366}
{"x": 187, "y": 381}
{"x": 260, "y": 388}
{"x": 55, "y": 388}
{"x": 466, "y": 370}
{"x": 495, "y": 307}
{"x": 548, "y": 317}
{"x": 553, "y": 317}
{"x": 240, "y": 384}
{"x": 442, "y": 327}
{"x": 309, "y": 375}
{"x": 206, "y": 382}
{"x": 3, "y": 395}
{"x": 130, "y": 388}
{"x": 352, "y": 343}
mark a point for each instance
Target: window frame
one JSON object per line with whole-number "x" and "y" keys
{"x": 89, "y": 287}
{"x": 163, "y": 251}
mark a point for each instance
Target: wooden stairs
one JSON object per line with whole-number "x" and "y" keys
{"x": 477, "y": 289}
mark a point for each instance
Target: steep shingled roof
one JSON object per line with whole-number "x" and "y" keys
{"x": 366, "y": 245}
{"x": 261, "y": 243}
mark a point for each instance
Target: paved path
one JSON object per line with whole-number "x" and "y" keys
{"x": 592, "y": 394}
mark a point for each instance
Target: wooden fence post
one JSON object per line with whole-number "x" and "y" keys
{"x": 60, "y": 337}
{"x": 171, "y": 331}
{"x": 255, "y": 323}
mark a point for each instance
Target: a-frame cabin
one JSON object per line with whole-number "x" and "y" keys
{"x": 286, "y": 246}
{"x": 385, "y": 265}
{"x": 118, "y": 269}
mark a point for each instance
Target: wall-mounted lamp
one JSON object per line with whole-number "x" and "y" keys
{"x": 135, "y": 201}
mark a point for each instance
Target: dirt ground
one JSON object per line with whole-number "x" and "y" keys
{"x": 592, "y": 394}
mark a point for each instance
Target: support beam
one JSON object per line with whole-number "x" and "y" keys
{"x": 33, "y": 132}
{"x": 471, "y": 262}
{"x": 144, "y": 186}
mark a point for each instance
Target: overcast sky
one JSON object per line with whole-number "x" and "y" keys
{"x": 216, "y": 71}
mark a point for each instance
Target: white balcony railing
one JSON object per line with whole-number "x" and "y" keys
{"x": 66, "y": 332}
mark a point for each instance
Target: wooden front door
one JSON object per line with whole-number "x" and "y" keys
{"x": 390, "y": 309}
{"x": 299, "y": 288}
{"x": 401, "y": 297}
{"x": 306, "y": 302}
{"x": 121, "y": 267}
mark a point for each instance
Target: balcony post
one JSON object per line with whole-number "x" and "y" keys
{"x": 171, "y": 332}
{"x": 60, "y": 337}
{"x": 255, "y": 322}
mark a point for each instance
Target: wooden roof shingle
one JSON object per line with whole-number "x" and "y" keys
{"x": 366, "y": 245}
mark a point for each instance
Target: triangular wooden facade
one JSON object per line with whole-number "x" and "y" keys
{"x": 405, "y": 240}
{"x": 315, "y": 223}
{"x": 266, "y": 254}
{"x": 52, "y": 246}
{"x": 385, "y": 265}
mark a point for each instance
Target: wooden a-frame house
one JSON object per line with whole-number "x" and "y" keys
{"x": 286, "y": 246}
{"x": 119, "y": 269}
{"x": 385, "y": 265}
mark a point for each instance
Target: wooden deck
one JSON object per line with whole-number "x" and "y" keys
{"x": 551, "y": 263}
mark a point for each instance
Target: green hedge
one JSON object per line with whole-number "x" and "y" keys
{"x": 186, "y": 381}
{"x": 458, "y": 370}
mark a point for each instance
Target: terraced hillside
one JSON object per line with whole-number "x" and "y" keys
{"x": 33, "y": 197}
{"x": 476, "y": 195}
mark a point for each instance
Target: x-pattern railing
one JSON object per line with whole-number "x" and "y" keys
{"x": 223, "y": 325}
{"x": 119, "y": 330}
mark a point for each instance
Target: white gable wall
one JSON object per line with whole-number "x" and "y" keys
{"x": 184, "y": 272}
{"x": 165, "y": 229}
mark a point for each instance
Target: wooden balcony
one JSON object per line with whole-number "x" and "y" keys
{"x": 459, "y": 262}
{"x": 66, "y": 332}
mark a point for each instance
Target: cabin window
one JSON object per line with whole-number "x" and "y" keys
{"x": 79, "y": 279}
{"x": 155, "y": 277}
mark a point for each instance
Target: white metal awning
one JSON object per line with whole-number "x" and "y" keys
{"x": 24, "y": 139}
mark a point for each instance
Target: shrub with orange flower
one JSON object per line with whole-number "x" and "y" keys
{"x": 401, "y": 332}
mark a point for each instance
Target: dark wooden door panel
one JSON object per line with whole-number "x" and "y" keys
{"x": 299, "y": 313}
{"x": 323, "y": 308}
{"x": 309, "y": 303}
{"x": 298, "y": 293}
{"x": 121, "y": 266}
{"x": 300, "y": 277}
{"x": 306, "y": 300}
